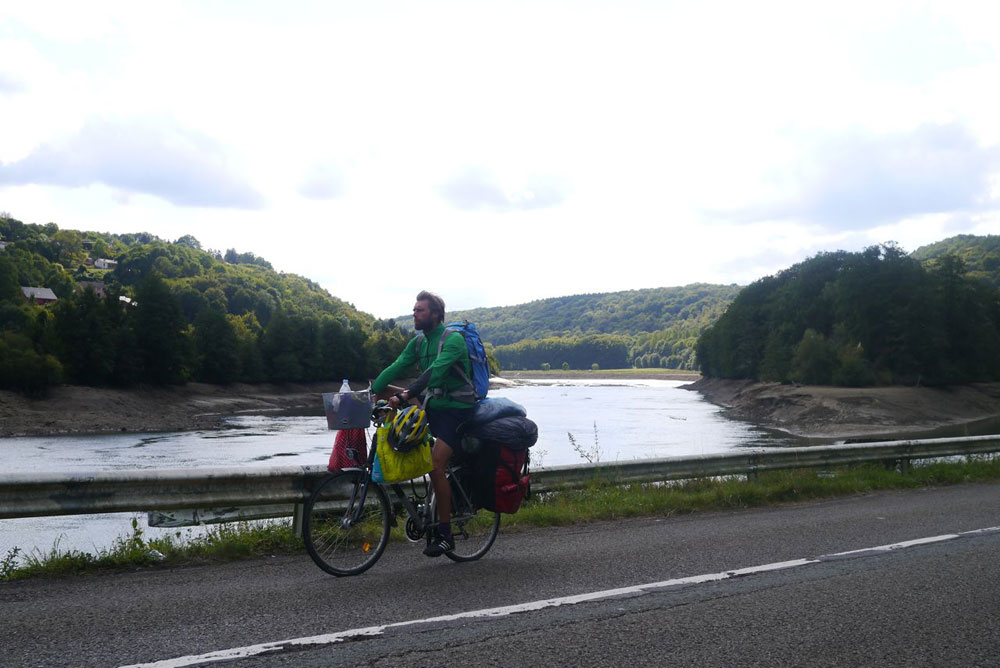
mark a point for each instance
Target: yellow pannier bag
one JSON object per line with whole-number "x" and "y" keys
{"x": 392, "y": 466}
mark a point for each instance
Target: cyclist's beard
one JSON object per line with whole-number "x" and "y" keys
{"x": 426, "y": 324}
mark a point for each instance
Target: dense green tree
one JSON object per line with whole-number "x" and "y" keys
{"x": 216, "y": 350}
{"x": 251, "y": 362}
{"x": 814, "y": 360}
{"x": 23, "y": 368}
{"x": 877, "y": 316}
{"x": 10, "y": 288}
{"x": 189, "y": 241}
{"x": 980, "y": 256}
{"x": 87, "y": 345}
{"x": 161, "y": 331}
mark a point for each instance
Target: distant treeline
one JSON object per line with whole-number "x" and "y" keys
{"x": 169, "y": 313}
{"x": 133, "y": 308}
{"x": 578, "y": 352}
{"x": 655, "y": 328}
{"x": 874, "y": 317}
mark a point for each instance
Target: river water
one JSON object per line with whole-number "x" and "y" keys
{"x": 608, "y": 420}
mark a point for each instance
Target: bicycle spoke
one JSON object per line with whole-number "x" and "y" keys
{"x": 337, "y": 546}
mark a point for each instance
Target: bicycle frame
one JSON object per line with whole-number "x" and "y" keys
{"x": 428, "y": 518}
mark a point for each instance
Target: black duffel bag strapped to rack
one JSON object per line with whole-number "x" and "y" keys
{"x": 498, "y": 451}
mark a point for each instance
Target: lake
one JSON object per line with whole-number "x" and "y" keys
{"x": 609, "y": 420}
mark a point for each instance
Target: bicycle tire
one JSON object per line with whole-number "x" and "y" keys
{"x": 344, "y": 551}
{"x": 474, "y": 534}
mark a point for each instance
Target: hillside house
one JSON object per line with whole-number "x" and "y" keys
{"x": 40, "y": 295}
{"x": 99, "y": 288}
{"x": 104, "y": 263}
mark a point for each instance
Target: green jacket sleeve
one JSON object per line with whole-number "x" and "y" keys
{"x": 397, "y": 368}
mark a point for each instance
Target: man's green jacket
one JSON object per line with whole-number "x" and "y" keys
{"x": 423, "y": 350}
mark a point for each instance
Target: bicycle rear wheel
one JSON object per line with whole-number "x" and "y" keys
{"x": 474, "y": 535}
{"x": 474, "y": 529}
{"x": 342, "y": 534}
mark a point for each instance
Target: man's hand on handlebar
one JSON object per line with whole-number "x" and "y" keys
{"x": 399, "y": 399}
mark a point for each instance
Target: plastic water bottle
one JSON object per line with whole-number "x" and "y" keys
{"x": 345, "y": 386}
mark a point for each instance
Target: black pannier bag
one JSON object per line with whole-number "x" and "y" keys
{"x": 499, "y": 462}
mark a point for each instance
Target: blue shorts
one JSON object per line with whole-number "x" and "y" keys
{"x": 445, "y": 422}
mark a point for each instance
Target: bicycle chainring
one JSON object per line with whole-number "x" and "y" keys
{"x": 414, "y": 530}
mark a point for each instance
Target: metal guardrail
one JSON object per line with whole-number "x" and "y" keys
{"x": 251, "y": 493}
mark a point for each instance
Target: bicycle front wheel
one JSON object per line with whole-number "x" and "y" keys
{"x": 345, "y": 534}
{"x": 474, "y": 534}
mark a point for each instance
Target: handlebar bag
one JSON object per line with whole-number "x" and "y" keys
{"x": 347, "y": 410}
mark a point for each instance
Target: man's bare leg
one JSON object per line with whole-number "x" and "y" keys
{"x": 442, "y": 490}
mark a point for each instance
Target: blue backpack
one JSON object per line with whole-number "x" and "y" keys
{"x": 479, "y": 384}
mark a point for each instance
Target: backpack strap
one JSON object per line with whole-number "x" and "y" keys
{"x": 419, "y": 341}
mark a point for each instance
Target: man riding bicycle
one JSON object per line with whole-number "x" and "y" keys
{"x": 449, "y": 398}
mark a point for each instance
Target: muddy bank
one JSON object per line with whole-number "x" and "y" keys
{"x": 843, "y": 412}
{"x": 71, "y": 409}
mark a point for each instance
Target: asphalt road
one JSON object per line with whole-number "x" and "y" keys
{"x": 921, "y": 604}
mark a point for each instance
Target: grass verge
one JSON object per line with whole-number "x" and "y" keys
{"x": 598, "y": 501}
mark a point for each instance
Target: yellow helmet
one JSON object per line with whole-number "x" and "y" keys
{"x": 409, "y": 428}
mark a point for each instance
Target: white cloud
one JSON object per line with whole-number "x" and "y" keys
{"x": 475, "y": 188}
{"x": 323, "y": 181}
{"x": 10, "y": 84}
{"x": 178, "y": 165}
{"x": 858, "y": 180}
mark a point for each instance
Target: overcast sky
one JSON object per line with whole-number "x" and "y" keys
{"x": 499, "y": 152}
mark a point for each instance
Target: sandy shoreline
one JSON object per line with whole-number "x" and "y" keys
{"x": 845, "y": 412}
{"x": 810, "y": 412}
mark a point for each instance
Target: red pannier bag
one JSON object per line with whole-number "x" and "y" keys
{"x": 500, "y": 478}
{"x": 512, "y": 480}
{"x": 350, "y": 450}
{"x": 499, "y": 453}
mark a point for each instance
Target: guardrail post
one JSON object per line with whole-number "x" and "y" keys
{"x": 297, "y": 516}
{"x": 904, "y": 465}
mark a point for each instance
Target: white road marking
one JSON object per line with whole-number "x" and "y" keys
{"x": 374, "y": 631}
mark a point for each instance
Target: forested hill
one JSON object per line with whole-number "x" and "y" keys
{"x": 979, "y": 255}
{"x": 879, "y": 316}
{"x": 655, "y": 327}
{"x": 628, "y": 312}
{"x": 133, "y": 308}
